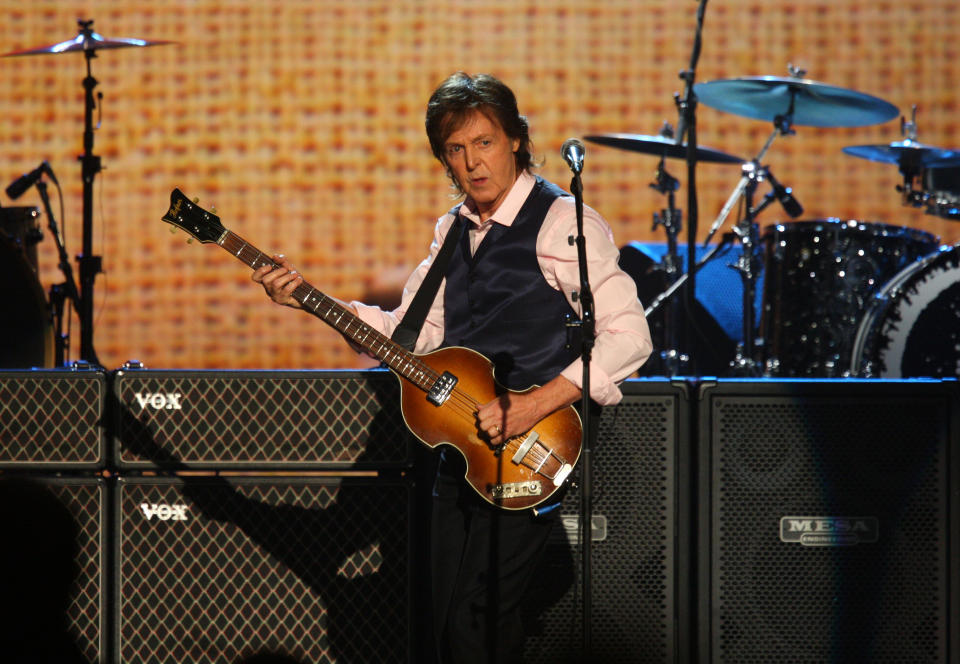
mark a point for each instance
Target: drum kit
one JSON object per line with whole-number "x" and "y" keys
{"x": 839, "y": 298}
{"x": 35, "y": 336}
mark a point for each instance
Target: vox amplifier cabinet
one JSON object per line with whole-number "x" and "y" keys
{"x": 52, "y": 419}
{"x": 52, "y": 598}
{"x": 640, "y": 532}
{"x": 258, "y": 420}
{"x": 308, "y": 569}
{"x": 828, "y": 522}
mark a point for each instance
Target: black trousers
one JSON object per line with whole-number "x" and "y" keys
{"x": 482, "y": 561}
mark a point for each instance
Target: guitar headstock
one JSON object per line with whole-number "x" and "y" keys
{"x": 190, "y": 217}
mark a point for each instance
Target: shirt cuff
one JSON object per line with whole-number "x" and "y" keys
{"x": 602, "y": 390}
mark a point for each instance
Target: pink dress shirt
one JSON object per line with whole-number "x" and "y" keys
{"x": 622, "y": 336}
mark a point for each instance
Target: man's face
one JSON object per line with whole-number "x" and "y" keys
{"x": 481, "y": 157}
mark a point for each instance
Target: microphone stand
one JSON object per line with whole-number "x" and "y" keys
{"x": 588, "y": 333}
{"x": 687, "y": 108}
{"x": 58, "y": 292}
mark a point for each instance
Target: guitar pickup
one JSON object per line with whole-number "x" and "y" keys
{"x": 441, "y": 389}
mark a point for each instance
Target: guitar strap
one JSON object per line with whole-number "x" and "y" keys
{"x": 409, "y": 328}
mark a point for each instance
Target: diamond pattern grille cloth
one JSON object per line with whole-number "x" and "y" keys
{"x": 51, "y": 419}
{"x": 84, "y": 499}
{"x": 316, "y": 569}
{"x": 311, "y": 419}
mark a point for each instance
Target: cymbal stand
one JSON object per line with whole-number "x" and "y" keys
{"x": 744, "y": 363}
{"x": 687, "y": 112}
{"x": 752, "y": 173}
{"x": 911, "y": 170}
{"x": 90, "y": 265}
{"x": 672, "y": 360}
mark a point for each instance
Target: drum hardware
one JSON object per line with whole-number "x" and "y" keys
{"x": 745, "y": 230}
{"x": 88, "y": 42}
{"x": 921, "y": 167}
{"x": 786, "y": 102}
{"x": 942, "y": 191}
{"x": 673, "y": 361}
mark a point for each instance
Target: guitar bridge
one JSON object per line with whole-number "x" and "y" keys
{"x": 516, "y": 490}
{"x": 441, "y": 389}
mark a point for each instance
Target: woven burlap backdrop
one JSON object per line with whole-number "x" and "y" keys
{"x": 302, "y": 123}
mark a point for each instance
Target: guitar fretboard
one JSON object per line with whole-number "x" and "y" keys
{"x": 340, "y": 318}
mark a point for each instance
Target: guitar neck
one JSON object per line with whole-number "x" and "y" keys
{"x": 339, "y": 317}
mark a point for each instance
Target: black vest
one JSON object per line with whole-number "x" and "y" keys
{"x": 498, "y": 303}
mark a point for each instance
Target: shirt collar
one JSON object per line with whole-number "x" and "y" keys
{"x": 509, "y": 208}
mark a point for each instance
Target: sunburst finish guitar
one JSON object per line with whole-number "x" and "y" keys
{"x": 439, "y": 391}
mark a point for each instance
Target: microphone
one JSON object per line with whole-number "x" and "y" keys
{"x": 573, "y": 151}
{"x": 785, "y": 195}
{"x": 27, "y": 180}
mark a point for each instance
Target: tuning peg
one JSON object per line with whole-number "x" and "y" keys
{"x": 196, "y": 200}
{"x": 189, "y": 240}
{"x": 173, "y": 230}
{"x": 213, "y": 209}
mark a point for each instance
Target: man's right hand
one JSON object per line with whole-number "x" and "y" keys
{"x": 280, "y": 282}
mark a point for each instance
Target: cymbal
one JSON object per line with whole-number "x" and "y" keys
{"x": 661, "y": 147}
{"x": 85, "y": 41}
{"x": 907, "y": 153}
{"x": 814, "y": 104}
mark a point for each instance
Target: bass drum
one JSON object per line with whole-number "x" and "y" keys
{"x": 26, "y": 336}
{"x": 913, "y": 326}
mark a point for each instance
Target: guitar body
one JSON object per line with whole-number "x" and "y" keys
{"x": 440, "y": 391}
{"x": 446, "y": 424}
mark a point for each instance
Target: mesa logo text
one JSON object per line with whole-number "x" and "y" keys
{"x": 829, "y": 530}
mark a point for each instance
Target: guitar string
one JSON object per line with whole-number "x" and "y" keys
{"x": 461, "y": 403}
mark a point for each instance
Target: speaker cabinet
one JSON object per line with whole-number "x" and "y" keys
{"x": 214, "y": 570}
{"x": 52, "y": 419}
{"x": 52, "y": 557}
{"x": 258, "y": 419}
{"x": 828, "y": 522}
{"x": 638, "y": 534}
